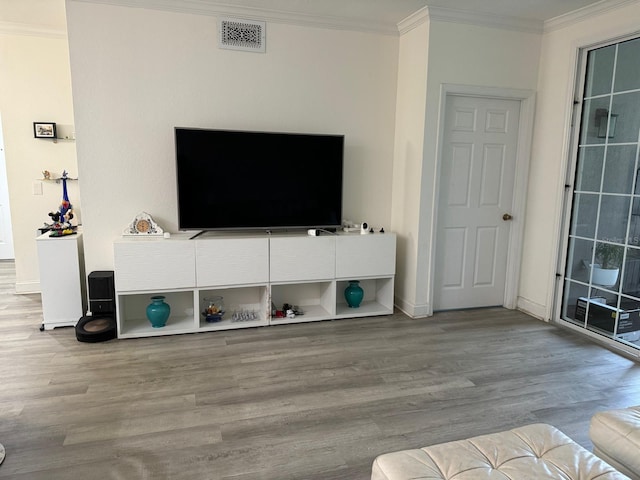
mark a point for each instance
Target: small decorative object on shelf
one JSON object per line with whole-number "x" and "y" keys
{"x": 158, "y": 311}
{"x": 244, "y": 316}
{"x": 288, "y": 311}
{"x": 143, "y": 224}
{"x": 354, "y": 294}
{"x": 213, "y": 308}
{"x": 46, "y": 175}
{"x": 61, "y": 219}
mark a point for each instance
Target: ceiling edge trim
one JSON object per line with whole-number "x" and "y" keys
{"x": 485, "y": 20}
{"x": 14, "y": 28}
{"x": 277, "y": 16}
{"x": 414, "y": 20}
{"x": 584, "y": 13}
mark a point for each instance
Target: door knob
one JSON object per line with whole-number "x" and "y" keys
{"x": 506, "y": 217}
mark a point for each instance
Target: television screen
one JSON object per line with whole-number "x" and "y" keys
{"x": 258, "y": 180}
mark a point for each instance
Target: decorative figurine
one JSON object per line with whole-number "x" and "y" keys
{"x": 61, "y": 224}
{"x": 46, "y": 174}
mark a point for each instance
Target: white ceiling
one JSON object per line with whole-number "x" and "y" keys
{"x": 48, "y": 13}
{"x": 384, "y": 13}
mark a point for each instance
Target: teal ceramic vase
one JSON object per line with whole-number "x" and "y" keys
{"x": 353, "y": 294}
{"x": 158, "y": 311}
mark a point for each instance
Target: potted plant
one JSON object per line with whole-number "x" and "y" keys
{"x": 608, "y": 261}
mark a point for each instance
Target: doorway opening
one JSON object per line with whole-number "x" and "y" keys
{"x": 6, "y": 234}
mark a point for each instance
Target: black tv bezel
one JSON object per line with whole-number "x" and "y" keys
{"x": 261, "y": 228}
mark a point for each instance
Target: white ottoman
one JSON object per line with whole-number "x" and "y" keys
{"x": 616, "y": 439}
{"x": 532, "y": 452}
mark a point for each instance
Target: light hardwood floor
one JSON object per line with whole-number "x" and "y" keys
{"x": 310, "y": 401}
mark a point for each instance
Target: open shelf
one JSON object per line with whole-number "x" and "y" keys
{"x": 378, "y": 298}
{"x": 140, "y": 327}
{"x": 133, "y": 317}
{"x": 312, "y": 313}
{"x": 253, "y": 298}
{"x": 316, "y": 299}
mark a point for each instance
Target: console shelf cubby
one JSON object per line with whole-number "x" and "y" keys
{"x": 378, "y": 298}
{"x": 315, "y": 299}
{"x": 132, "y": 308}
{"x": 251, "y": 300}
{"x": 251, "y": 272}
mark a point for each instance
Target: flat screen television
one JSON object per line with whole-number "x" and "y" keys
{"x": 229, "y": 180}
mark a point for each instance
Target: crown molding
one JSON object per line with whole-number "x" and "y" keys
{"x": 442, "y": 14}
{"x": 12, "y": 28}
{"x": 216, "y": 9}
{"x": 584, "y": 13}
{"x": 414, "y": 20}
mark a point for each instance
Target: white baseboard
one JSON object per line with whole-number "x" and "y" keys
{"x": 27, "y": 287}
{"x": 412, "y": 310}
{"x": 532, "y": 308}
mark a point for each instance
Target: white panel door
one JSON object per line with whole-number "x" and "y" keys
{"x": 476, "y": 191}
{"x": 6, "y": 237}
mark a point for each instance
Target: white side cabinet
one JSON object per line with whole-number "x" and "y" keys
{"x": 370, "y": 259}
{"x": 60, "y": 261}
{"x": 250, "y": 272}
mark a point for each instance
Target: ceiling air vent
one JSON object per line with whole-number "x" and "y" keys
{"x": 244, "y": 35}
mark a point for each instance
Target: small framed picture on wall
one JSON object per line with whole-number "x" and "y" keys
{"x": 44, "y": 130}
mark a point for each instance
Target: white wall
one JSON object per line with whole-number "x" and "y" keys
{"x": 408, "y": 156}
{"x": 464, "y": 55}
{"x": 138, "y": 73}
{"x": 550, "y": 151}
{"x": 35, "y": 85}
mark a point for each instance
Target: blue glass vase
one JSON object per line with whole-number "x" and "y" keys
{"x": 353, "y": 294}
{"x": 158, "y": 311}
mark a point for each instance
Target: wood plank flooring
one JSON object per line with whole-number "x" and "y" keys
{"x": 308, "y": 401}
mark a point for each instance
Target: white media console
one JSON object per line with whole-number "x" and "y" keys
{"x": 250, "y": 271}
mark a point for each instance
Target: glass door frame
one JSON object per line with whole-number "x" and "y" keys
{"x": 568, "y": 202}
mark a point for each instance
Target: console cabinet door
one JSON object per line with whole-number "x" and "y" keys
{"x": 295, "y": 259}
{"x": 232, "y": 261}
{"x": 154, "y": 264}
{"x": 372, "y": 255}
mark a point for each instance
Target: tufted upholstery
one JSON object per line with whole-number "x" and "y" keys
{"x": 616, "y": 439}
{"x": 532, "y": 452}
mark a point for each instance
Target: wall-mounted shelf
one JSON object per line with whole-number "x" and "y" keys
{"x": 53, "y": 179}
{"x": 57, "y": 180}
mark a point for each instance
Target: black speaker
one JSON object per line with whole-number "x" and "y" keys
{"x": 102, "y": 292}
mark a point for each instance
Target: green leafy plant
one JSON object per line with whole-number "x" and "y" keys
{"x": 609, "y": 255}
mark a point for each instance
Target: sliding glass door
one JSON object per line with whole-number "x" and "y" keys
{"x": 602, "y": 268}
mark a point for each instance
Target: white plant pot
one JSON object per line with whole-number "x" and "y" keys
{"x": 606, "y": 277}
